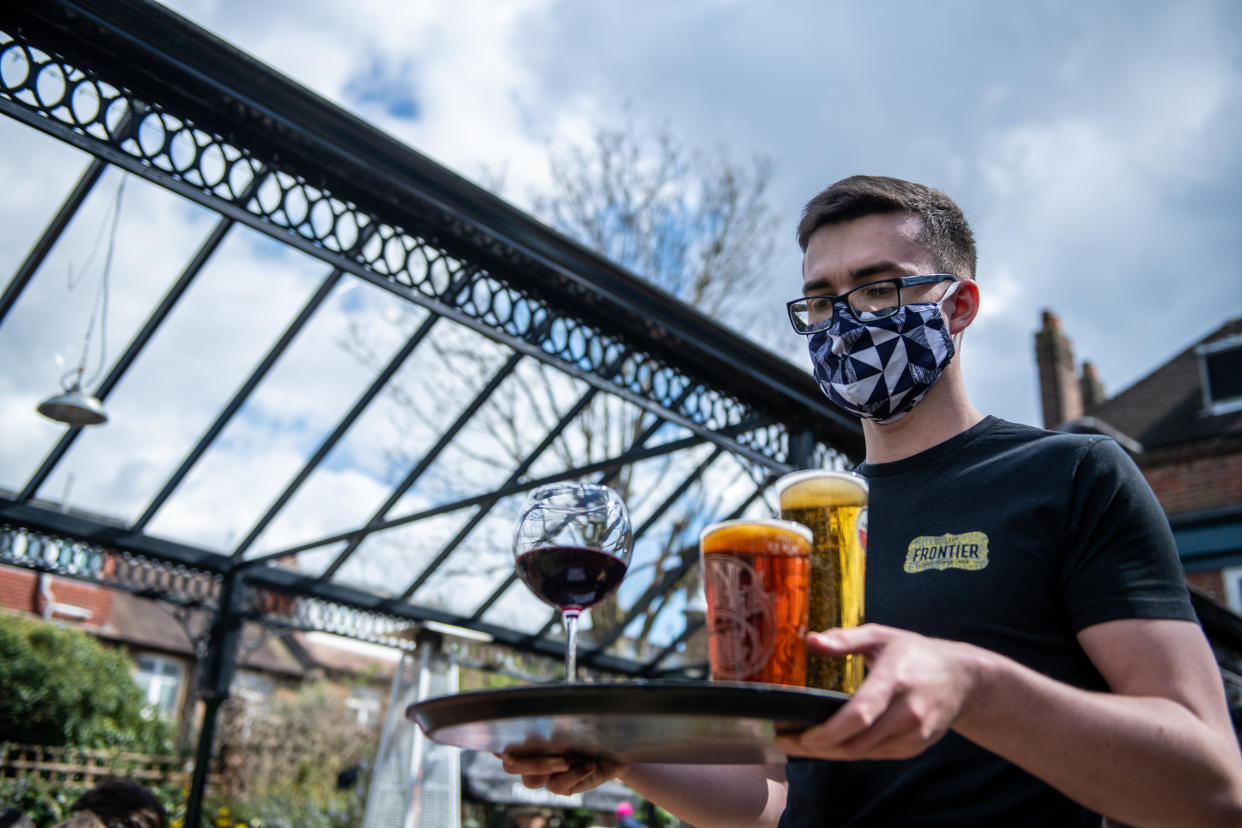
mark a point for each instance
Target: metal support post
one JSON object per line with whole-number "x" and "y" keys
{"x": 215, "y": 679}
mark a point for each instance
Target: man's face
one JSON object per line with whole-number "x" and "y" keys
{"x": 841, "y": 257}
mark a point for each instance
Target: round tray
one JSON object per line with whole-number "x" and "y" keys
{"x": 656, "y": 721}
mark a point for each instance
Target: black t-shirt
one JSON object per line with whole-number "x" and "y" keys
{"x": 1012, "y": 538}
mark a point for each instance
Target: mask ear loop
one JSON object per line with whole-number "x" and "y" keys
{"x": 957, "y": 337}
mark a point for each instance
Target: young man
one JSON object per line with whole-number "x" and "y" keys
{"x": 1032, "y": 655}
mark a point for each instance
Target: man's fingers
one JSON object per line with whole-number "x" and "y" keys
{"x": 559, "y": 774}
{"x": 855, "y": 717}
{"x": 533, "y": 765}
{"x": 839, "y": 641}
{"x": 898, "y": 734}
{"x": 580, "y": 777}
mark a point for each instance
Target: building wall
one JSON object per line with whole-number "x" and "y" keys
{"x": 1197, "y": 484}
{"x": 19, "y": 590}
{"x": 1210, "y": 581}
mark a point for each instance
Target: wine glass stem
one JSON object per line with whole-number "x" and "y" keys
{"x": 571, "y": 644}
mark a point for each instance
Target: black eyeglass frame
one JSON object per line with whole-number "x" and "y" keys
{"x": 899, "y": 281}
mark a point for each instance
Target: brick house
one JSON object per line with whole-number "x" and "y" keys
{"x": 1182, "y": 424}
{"x": 162, "y": 649}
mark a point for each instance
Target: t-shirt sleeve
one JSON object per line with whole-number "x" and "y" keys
{"x": 1121, "y": 560}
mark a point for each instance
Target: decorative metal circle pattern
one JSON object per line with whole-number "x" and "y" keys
{"x": 44, "y": 552}
{"x": 173, "y": 150}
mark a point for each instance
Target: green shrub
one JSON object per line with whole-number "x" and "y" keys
{"x": 62, "y": 687}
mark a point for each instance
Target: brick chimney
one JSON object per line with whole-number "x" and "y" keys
{"x": 1059, "y": 392}
{"x": 1091, "y": 388}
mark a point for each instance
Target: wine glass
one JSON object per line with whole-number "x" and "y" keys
{"x": 572, "y": 548}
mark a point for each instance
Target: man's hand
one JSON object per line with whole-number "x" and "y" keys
{"x": 560, "y": 774}
{"x": 914, "y": 690}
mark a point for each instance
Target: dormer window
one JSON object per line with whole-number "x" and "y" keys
{"x": 1220, "y": 372}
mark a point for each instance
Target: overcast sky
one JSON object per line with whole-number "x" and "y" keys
{"x": 1094, "y": 146}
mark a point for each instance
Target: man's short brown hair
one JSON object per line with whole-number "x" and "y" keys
{"x": 945, "y": 233}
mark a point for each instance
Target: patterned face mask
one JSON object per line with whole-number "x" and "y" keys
{"x": 880, "y": 369}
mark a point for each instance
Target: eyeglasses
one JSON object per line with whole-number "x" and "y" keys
{"x": 867, "y": 303}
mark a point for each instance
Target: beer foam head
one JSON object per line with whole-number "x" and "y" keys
{"x": 767, "y": 536}
{"x": 816, "y": 489}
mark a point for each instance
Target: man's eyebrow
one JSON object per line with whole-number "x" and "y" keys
{"x": 868, "y": 273}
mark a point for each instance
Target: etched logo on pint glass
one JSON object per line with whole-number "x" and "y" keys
{"x": 743, "y": 618}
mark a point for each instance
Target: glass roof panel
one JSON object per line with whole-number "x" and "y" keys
{"x": 30, "y": 201}
{"x": 648, "y": 484}
{"x": 44, "y": 337}
{"x": 386, "y": 562}
{"x": 479, "y": 565}
{"x": 673, "y": 539}
{"x": 518, "y": 609}
{"x": 210, "y": 342}
{"x": 508, "y": 427}
{"x": 605, "y": 430}
{"x": 307, "y": 392}
{"x": 312, "y": 562}
{"x": 656, "y": 631}
{"x": 393, "y": 434}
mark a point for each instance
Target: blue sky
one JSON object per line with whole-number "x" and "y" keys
{"x": 1093, "y": 146}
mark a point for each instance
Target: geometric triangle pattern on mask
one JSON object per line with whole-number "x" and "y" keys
{"x": 880, "y": 369}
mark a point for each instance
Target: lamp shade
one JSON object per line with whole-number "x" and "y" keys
{"x": 74, "y": 408}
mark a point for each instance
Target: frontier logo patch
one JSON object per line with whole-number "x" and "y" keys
{"x": 965, "y": 551}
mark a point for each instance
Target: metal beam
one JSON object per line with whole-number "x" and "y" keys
{"x": 90, "y": 529}
{"x": 488, "y": 502}
{"x": 157, "y": 317}
{"x": 47, "y": 240}
{"x": 640, "y": 605}
{"x": 486, "y": 505}
{"x": 286, "y": 581}
{"x": 517, "y": 488}
{"x": 141, "y": 47}
{"x": 342, "y": 427}
{"x": 689, "y": 558}
{"x": 234, "y": 405}
{"x": 428, "y": 458}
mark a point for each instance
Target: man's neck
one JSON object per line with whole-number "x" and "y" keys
{"x": 944, "y": 413}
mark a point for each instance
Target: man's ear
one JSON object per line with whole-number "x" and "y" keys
{"x": 962, "y": 306}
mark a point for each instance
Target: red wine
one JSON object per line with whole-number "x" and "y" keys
{"x": 570, "y": 577}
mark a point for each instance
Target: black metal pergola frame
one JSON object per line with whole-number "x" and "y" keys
{"x": 139, "y": 88}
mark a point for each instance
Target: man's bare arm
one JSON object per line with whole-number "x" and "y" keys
{"x": 1158, "y": 750}
{"x": 719, "y": 796}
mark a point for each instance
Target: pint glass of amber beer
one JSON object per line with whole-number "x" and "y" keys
{"x": 833, "y": 505}
{"x": 755, "y": 577}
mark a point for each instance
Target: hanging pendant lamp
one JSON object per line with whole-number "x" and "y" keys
{"x": 74, "y": 407}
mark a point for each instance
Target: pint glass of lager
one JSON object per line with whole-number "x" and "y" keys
{"x": 755, "y": 576}
{"x": 834, "y": 506}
